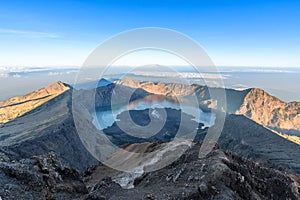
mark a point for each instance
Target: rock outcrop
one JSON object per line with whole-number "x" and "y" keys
{"x": 220, "y": 175}
{"x": 271, "y": 112}
{"x": 39, "y": 177}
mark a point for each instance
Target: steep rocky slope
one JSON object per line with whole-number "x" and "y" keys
{"x": 271, "y": 112}
{"x": 251, "y": 140}
{"x": 158, "y": 88}
{"x": 220, "y": 175}
{"x": 234, "y": 98}
{"x": 50, "y": 127}
{"x": 107, "y": 95}
{"x": 18, "y": 106}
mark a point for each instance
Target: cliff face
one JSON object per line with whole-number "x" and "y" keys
{"x": 107, "y": 95}
{"x": 234, "y": 98}
{"x": 167, "y": 89}
{"x": 18, "y": 106}
{"x": 271, "y": 112}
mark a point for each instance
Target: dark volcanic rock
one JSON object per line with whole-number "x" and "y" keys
{"x": 107, "y": 95}
{"x": 128, "y": 132}
{"x": 47, "y": 128}
{"x": 251, "y": 140}
{"x": 40, "y": 177}
{"x": 221, "y": 175}
{"x": 51, "y": 128}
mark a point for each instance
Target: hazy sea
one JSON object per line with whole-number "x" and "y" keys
{"x": 281, "y": 82}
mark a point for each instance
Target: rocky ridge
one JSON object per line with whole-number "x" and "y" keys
{"x": 18, "y": 106}
{"x": 253, "y": 103}
{"x": 47, "y": 128}
{"x": 271, "y": 112}
{"x": 50, "y": 126}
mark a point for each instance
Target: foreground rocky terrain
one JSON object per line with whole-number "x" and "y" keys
{"x": 220, "y": 175}
{"x": 39, "y": 177}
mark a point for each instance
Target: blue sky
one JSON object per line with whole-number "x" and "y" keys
{"x": 233, "y": 33}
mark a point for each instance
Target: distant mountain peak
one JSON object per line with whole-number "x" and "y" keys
{"x": 271, "y": 112}
{"x": 56, "y": 87}
{"x": 18, "y": 106}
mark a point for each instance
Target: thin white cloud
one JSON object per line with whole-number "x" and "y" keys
{"x": 3, "y": 75}
{"x": 28, "y": 34}
{"x": 16, "y": 76}
{"x": 189, "y": 75}
{"x": 239, "y": 87}
{"x": 17, "y": 72}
